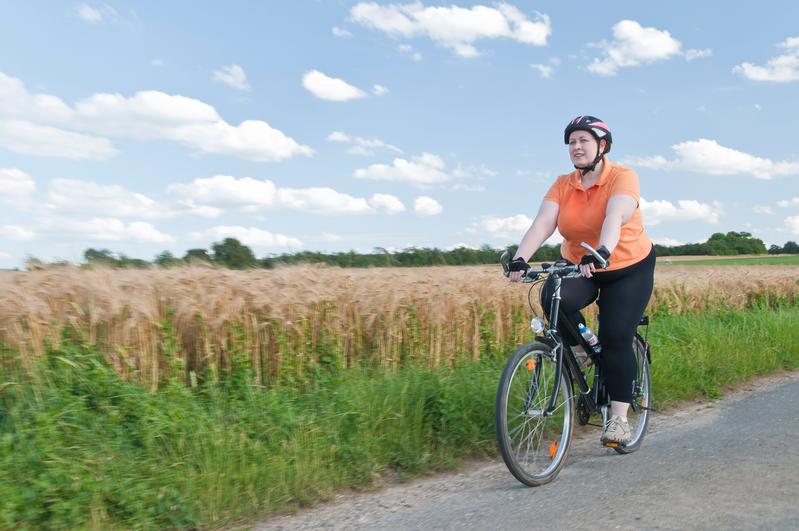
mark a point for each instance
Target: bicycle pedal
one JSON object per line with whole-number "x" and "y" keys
{"x": 613, "y": 444}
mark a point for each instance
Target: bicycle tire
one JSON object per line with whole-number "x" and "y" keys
{"x": 533, "y": 444}
{"x": 638, "y": 414}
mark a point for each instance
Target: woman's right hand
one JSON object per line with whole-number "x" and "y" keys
{"x": 517, "y": 268}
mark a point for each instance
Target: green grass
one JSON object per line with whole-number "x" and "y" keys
{"x": 82, "y": 448}
{"x": 753, "y": 260}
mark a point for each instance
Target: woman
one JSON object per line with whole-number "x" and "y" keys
{"x": 598, "y": 203}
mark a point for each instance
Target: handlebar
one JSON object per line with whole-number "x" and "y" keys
{"x": 561, "y": 268}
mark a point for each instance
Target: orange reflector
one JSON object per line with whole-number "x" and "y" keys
{"x": 530, "y": 364}
{"x": 553, "y": 449}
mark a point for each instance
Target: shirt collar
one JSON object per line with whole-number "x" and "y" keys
{"x": 574, "y": 177}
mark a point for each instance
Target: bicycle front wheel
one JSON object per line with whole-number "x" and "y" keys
{"x": 638, "y": 414}
{"x": 534, "y": 440}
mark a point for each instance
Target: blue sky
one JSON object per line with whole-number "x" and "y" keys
{"x": 310, "y": 125}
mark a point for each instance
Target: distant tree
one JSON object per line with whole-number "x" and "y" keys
{"x": 196, "y": 255}
{"x": 231, "y": 253}
{"x": 774, "y": 249}
{"x": 134, "y": 263}
{"x": 99, "y": 256}
{"x": 166, "y": 259}
{"x": 790, "y": 247}
{"x": 735, "y": 243}
{"x": 34, "y": 264}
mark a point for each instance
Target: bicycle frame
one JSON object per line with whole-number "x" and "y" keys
{"x": 568, "y": 360}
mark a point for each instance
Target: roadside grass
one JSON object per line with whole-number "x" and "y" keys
{"x": 702, "y": 354}
{"x": 783, "y": 259}
{"x": 81, "y": 447}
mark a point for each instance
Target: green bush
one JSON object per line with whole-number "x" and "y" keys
{"x": 81, "y": 447}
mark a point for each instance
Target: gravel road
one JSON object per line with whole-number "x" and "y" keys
{"x": 727, "y": 464}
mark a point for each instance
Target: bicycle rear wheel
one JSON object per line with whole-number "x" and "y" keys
{"x": 638, "y": 414}
{"x": 533, "y": 441}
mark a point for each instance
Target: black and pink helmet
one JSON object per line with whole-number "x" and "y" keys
{"x": 593, "y": 125}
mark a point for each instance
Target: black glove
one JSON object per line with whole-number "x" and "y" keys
{"x": 591, "y": 259}
{"x": 518, "y": 264}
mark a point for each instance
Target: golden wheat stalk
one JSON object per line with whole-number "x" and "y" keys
{"x": 201, "y": 322}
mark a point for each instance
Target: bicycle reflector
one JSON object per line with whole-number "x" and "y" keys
{"x": 530, "y": 365}
{"x": 553, "y": 449}
{"x": 537, "y": 324}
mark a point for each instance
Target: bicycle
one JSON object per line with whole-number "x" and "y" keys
{"x": 543, "y": 388}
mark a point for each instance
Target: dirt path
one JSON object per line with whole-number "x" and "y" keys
{"x": 730, "y": 463}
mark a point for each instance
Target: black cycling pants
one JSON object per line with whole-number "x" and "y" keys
{"x": 623, "y": 296}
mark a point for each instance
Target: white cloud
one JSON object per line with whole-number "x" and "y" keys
{"x": 330, "y": 88}
{"x": 760, "y": 209}
{"x": 250, "y": 236}
{"x": 468, "y": 187}
{"x": 387, "y": 203}
{"x": 341, "y": 32}
{"x": 252, "y": 195}
{"x": 379, "y": 90}
{"x": 656, "y": 162}
{"x": 106, "y": 229}
{"x": 29, "y": 138}
{"x": 545, "y": 70}
{"x": 86, "y": 197}
{"x": 157, "y": 62}
{"x": 634, "y": 45}
{"x": 788, "y": 202}
{"x": 361, "y": 146}
{"x": 668, "y": 242}
{"x": 780, "y": 69}
{"x": 427, "y": 206}
{"x": 481, "y": 171}
{"x": 147, "y": 115}
{"x": 16, "y": 185}
{"x": 659, "y": 211}
{"x": 792, "y": 222}
{"x": 17, "y": 102}
{"x": 156, "y": 115}
{"x": 510, "y": 227}
{"x": 425, "y": 169}
{"x": 97, "y": 14}
{"x": 711, "y": 158}
{"x": 461, "y": 246}
{"x": 693, "y": 53}
{"x": 321, "y": 201}
{"x": 233, "y": 76}
{"x": 15, "y": 232}
{"x": 453, "y": 27}
{"x": 226, "y": 191}
{"x": 408, "y": 49}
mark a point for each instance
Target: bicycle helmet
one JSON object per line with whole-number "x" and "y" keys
{"x": 598, "y": 129}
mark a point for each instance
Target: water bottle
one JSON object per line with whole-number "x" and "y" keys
{"x": 590, "y": 337}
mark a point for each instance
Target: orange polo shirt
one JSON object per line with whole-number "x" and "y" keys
{"x": 582, "y": 213}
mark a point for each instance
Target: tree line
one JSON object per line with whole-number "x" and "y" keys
{"x": 233, "y": 254}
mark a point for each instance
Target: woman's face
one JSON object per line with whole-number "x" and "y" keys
{"x": 582, "y": 148}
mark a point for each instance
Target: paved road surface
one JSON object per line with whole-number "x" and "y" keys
{"x": 731, "y": 464}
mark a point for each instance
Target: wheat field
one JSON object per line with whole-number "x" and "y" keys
{"x": 282, "y": 324}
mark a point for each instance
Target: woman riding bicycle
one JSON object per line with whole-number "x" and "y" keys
{"x": 598, "y": 203}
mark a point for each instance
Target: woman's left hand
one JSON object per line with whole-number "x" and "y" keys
{"x": 587, "y": 270}
{"x": 589, "y": 263}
